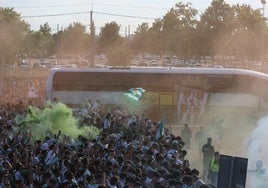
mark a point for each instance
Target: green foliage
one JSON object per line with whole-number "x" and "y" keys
{"x": 216, "y": 24}
{"x": 44, "y": 40}
{"x": 118, "y": 55}
{"x": 13, "y": 33}
{"x": 109, "y": 36}
{"x": 142, "y": 36}
{"x": 220, "y": 30}
{"x": 178, "y": 27}
{"x": 73, "y": 40}
{"x": 111, "y": 43}
{"x": 247, "y": 29}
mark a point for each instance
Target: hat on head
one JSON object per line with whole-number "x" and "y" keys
{"x": 44, "y": 146}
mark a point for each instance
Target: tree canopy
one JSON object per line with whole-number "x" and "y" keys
{"x": 13, "y": 33}
{"x": 221, "y": 30}
{"x": 112, "y": 44}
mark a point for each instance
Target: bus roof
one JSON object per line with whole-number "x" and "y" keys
{"x": 208, "y": 71}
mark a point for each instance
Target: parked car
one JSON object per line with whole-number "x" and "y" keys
{"x": 70, "y": 66}
{"x": 197, "y": 65}
{"x": 53, "y": 62}
{"x": 24, "y": 64}
{"x": 218, "y": 66}
{"x": 58, "y": 65}
{"x": 44, "y": 62}
{"x": 143, "y": 63}
{"x": 84, "y": 64}
{"x": 99, "y": 65}
{"x": 38, "y": 65}
{"x": 154, "y": 63}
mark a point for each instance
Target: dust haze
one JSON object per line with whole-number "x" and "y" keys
{"x": 244, "y": 120}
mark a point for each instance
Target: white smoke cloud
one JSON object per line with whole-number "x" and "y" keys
{"x": 257, "y": 150}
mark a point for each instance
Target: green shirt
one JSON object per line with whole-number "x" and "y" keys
{"x": 214, "y": 165}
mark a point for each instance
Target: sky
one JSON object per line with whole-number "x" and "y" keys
{"x": 126, "y": 13}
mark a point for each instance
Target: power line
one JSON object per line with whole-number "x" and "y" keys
{"x": 87, "y": 12}
{"x": 87, "y": 4}
{"x": 128, "y": 6}
{"x": 127, "y": 16}
{"x": 50, "y": 15}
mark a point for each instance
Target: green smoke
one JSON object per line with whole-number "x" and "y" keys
{"x": 52, "y": 119}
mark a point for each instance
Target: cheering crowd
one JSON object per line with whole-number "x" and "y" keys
{"x": 128, "y": 152}
{"x": 14, "y": 90}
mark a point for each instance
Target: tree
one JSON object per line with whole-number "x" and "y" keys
{"x": 146, "y": 39}
{"x": 13, "y": 33}
{"x": 178, "y": 26}
{"x": 215, "y": 26}
{"x": 156, "y": 37}
{"x": 140, "y": 41}
{"x": 73, "y": 40}
{"x": 111, "y": 43}
{"x": 247, "y": 34}
{"x": 45, "y": 39}
{"x": 40, "y": 42}
{"x": 109, "y": 36}
{"x": 118, "y": 55}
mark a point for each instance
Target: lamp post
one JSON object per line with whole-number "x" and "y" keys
{"x": 263, "y": 2}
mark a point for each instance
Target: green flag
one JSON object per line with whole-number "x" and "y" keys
{"x": 135, "y": 93}
{"x": 161, "y": 128}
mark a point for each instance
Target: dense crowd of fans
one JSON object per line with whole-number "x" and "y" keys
{"x": 13, "y": 90}
{"x": 127, "y": 153}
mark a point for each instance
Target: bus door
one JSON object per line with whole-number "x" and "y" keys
{"x": 159, "y": 105}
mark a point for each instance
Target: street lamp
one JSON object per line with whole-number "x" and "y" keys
{"x": 263, "y": 2}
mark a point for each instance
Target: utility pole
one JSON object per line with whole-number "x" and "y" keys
{"x": 57, "y": 50}
{"x": 92, "y": 41}
{"x": 263, "y": 2}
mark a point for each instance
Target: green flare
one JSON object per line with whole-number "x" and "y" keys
{"x": 51, "y": 119}
{"x": 19, "y": 120}
{"x": 32, "y": 116}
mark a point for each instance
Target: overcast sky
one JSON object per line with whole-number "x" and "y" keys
{"x": 127, "y": 13}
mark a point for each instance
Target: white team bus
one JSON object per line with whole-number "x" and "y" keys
{"x": 183, "y": 94}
